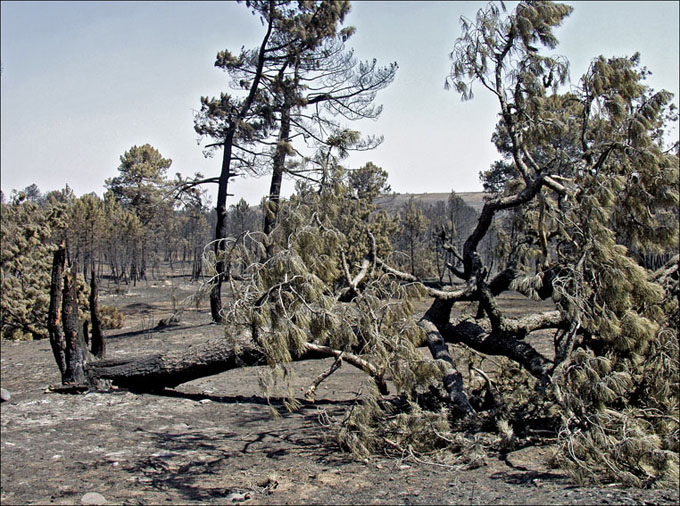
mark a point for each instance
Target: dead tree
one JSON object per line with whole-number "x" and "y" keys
{"x": 67, "y": 337}
{"x": 76, "y": 348}
{"x": 158, "y": 372}
{"x": 56, "y": 333}
{"x": 98, "y": 343}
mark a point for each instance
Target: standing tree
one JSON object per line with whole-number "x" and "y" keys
{"x": 243, "y": 218}
{"x": 414, "y": 226}
{"x": 236, "y": 122}
{"x": 300, "y": 63}
{"x": 86, "y": 231}
{"x": 196, "y": 231}
{"x": 141, "y": 188}
{"x": 318, "y": 84}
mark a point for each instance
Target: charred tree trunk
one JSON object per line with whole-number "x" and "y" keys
{"x": 142, "y": 264}
{"x": 221, "y": 232}
{"x": 75, "y": 350}
{"x": 452, "y": 379}
{"x": 133, "y": 268}
{"x": 197, "y": 265}
{"x": 226, "y": 174}
{"x": 98, "y": 342}
{"x": 272, "y": 209}
{"x": 156, "y": 372}
{"x": 56, "y": 333}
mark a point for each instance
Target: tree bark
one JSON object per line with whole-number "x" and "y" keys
{"x": 452, "y": 379}
{"x": 75, "y": 342}
{"x": 98, "y": 342}
{"x": 226, "y": 174}
{"x": 278, "y": 165}
{"x": 56, "y": 333}
{"x": 497, "y": 343}
{"x": 156, "y": 372}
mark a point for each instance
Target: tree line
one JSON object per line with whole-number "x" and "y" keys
{"x": 147, "y": 227}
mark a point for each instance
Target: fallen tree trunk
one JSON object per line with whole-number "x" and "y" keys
{"x": 498, "y": 343}
{"x": 156, "y": 372}
{"x": 451, "y": 379}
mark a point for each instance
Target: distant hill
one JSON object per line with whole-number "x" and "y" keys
{"x": 473, "y": 199}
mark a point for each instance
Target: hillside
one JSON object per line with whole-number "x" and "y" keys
{"x": 473, "y": 199}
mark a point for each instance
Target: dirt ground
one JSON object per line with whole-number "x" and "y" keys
{"x": 215, "y": 441}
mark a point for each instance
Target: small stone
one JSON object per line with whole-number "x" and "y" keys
{"x": 93, "y": 498}
{"x": 4, "y": 395}
{"x": 237, "y": 497}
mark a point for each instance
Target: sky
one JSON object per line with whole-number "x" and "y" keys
{"x": 82, "y": 82}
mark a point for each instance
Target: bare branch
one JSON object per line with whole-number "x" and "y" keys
{"x": 356, "y": 361}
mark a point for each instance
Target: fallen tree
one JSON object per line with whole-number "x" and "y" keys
{"x": 158, "y": 372}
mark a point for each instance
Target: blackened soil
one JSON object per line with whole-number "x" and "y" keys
{"x": 215, "y": 441}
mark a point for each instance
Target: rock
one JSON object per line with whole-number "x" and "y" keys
{"x": 172, "y": 321}
{"x": 93, "y": 498}
{"x": 237, "y": 497}
{"x": 531, "y": 458}
{"x": 4, "y": 395}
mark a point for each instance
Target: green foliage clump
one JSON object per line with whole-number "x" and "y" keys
{"x": 291, "y": 298}
{"x": 606, "y": 203}
{"x": 25, "y": 267}
{"x": 138, "y": 187}
{"x": 111, "y": 317}
{"x": 30, "y": 228}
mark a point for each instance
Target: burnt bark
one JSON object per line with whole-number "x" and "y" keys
{"x": 98, "y": 342}
{"x": 75, "y": 349}
{"x": 157, "y": 372}
{"x": 221, "y": 231}
{"x": 499, "y": 343}
{"x": 54, "y": 329}
{"x": 226, "y": 174}
{"x": 197, "y": 264}
{"x": 505, "y": 339}
{"x": 278, "y": 166}
{"x": 452, "y": 379}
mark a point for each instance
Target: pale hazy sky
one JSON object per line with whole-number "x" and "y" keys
{"x": 82, "y": 82}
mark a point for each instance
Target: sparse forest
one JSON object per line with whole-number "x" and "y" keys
{"x": 579, "y": 222}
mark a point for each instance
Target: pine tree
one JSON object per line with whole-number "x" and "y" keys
{"x": 25, "y": 262}
{"x": 594, "y": 187}
{"x": 301, "y": 44}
